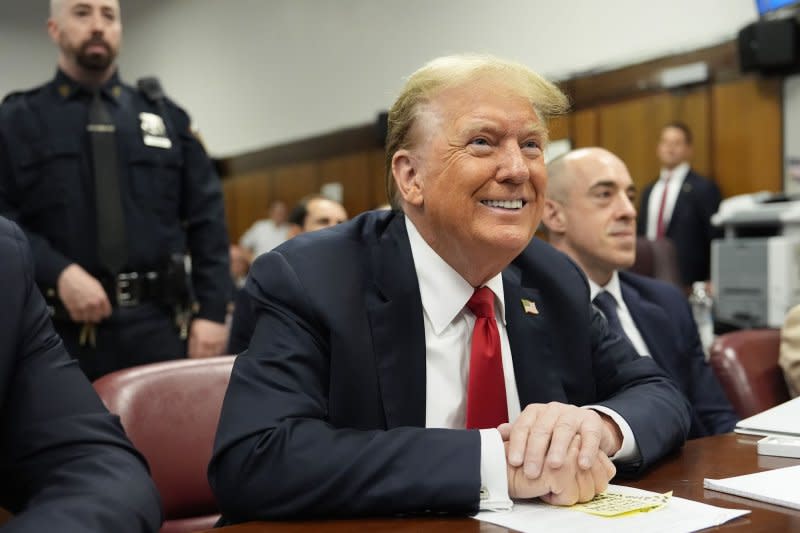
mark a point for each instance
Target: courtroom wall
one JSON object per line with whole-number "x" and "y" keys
{"x": 257, "y": 73}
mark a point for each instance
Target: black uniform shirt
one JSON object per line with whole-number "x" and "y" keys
{"x": 171, "y": 196}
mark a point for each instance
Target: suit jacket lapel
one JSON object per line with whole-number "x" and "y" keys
{"x": 682, "y": 199}
{"x": 655, "y": 330}
{"x": 528, "y": 337}
{"x": 398, "y": 332}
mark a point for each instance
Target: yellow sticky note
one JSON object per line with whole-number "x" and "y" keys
{"x": 609, "y": 504}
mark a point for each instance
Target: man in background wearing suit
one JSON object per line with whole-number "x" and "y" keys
{"x": 590, "y": 216}
{"x": 65, "y": 462}
{"x": 679, "y": 205}
{"x": 435, "y": 358}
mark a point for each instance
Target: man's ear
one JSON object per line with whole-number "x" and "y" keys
{"x": 407, "y": 177}
{"x": 553, "y": 216}
{"x": 52, "y": 30}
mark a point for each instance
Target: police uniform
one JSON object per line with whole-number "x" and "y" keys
{"x": 170, "y": 196}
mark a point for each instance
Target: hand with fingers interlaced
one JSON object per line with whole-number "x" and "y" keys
{"x": 560, "y": 452}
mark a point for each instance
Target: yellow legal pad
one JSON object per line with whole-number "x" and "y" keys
{"x": 609, "y": 504}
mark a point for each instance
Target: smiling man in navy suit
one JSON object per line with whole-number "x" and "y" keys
{"x": 590, "y": 216}
{"x": 442, "y": 360}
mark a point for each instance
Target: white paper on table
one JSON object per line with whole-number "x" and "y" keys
{"x": 780, "y": 486}
{"x": 678, "y": 516}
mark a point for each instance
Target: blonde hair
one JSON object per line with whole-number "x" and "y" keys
{"x": 457, "y": 70}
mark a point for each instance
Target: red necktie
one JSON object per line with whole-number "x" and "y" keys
{"x": 486, "y": 390}
{"x": 661, "y": 229}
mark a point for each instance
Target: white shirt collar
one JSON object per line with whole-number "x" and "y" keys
{"x": 612, "y": 287}
{"x": 677, "y": 174}
{"x": 443, "y": 291}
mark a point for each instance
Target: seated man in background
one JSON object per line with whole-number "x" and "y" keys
{"x": 315, "y": 212}
{"x": 590, "y": 216}
{"x": 790, "y": 350}
{"x": 434, "y": 357}
{"x": 266, "y": 234}
{"x": 310, "y": 214}
{"x": 65, "y": 462}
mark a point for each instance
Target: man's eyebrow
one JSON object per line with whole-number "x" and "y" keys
{"x": 603, "y": 184}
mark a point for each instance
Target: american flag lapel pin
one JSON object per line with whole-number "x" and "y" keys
{"x": 529, "y": 307}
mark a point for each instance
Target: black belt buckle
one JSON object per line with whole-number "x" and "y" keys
{"x": 127, "y": 289}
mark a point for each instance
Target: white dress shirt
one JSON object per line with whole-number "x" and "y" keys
{"x": 263, "y": 236}
{"x": 448, "y": 336}
{"x": 676, "y": 178}
{"x": 625, "y": 318}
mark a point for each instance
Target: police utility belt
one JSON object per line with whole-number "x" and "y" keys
{"x": 167, "y": 287}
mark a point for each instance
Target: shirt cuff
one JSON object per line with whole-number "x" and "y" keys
{"x": 494, "y": 476}
{"x": 629, "y": 451}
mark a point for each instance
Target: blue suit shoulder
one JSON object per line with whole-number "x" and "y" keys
{"x": 654, "y": 290}
{"x": 14, "y": 246}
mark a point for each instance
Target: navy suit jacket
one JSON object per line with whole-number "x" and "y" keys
{"x": 65, "y": 462}
{"x": 690, "y": 226}
{"x": 325, "y": 411}
{"x": 663, "y": 317}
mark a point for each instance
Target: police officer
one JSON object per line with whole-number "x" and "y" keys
{"x": 112, "y": 190}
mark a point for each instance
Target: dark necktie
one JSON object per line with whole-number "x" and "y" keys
{"x": 111, "y": 242}
{"x": 486, "y": 390}
{"x": 608, "y": 305}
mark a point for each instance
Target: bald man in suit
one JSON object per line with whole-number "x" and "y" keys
{"x": 590, "y": 216}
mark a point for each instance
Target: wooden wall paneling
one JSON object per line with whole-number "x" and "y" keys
{"x": 693, "y": 108}
{"x": 292, "y": 182}
{"x": 747, "y": 140}
{"x": 585, "y": 128}
{"x": 559, "y": 127}
{"x": 377, "y": 173}
{"x": 353, "y": 172}
{"x": 250, "y": 196}
{"x": 635, "y": 80}
{"x": 631, "y": 130}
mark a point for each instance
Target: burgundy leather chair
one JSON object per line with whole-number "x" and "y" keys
{"x": 170, "y": 411}
{"x": 746, "y": 364}
{"x": 657, "y": 259}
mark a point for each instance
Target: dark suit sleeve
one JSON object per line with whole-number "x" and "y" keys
{"x": 639, "y": 391}
{"x": 709, "y": 205}
{"x": 65, "y": 462}
{"x": 243, "y": 323}
{"x": 277, "y": 454}
{"x": 709, "y": 402}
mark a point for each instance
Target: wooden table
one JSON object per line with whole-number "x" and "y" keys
{"x": 683, "y": 473}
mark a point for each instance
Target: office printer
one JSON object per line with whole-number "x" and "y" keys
{"x": 755, "y": 267}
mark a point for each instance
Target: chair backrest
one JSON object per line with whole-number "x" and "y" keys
{"x": 746, "y": 364}
{"x": 657, "y": 259}
{"x": 170, "y": 411}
